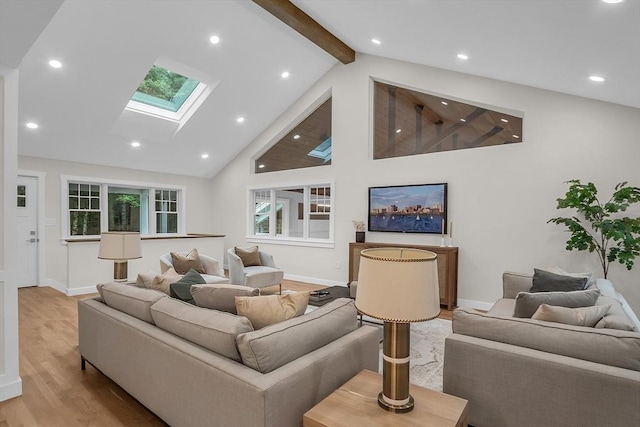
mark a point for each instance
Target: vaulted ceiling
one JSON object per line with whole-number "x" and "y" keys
{"x": 107, "y": 47}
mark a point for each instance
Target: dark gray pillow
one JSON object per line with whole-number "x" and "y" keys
{"x": 544, "y": 281}
{"x": 527, "y": 303}
{"x": 182, "y": 288}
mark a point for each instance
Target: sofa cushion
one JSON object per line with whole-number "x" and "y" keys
{"x": 616, "y": 318}
{"x": 560, "y": 271}
{"x": 183, "y": 263}
{"x": 211, "y": 329}
{"x": 221, "y": 297}
{"x": 514, "y": 282}
{"x": 527, "y": 303}
{"x": 131, "y": 300}
{"x": 606, "y": 346}
{"x": 269, "y": 309}
{"x": 181, "y": 289}
{"x": 162, "y": 282}
{"x": 545, "y": 281}
{"x": 274, "y": 346}
{"x": 581, "y": 316}
{"x": 249, "y": 256}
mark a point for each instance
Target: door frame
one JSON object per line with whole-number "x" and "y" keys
{"x": 40, "y": 179}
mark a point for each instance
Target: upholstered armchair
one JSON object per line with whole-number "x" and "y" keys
{"x": 261, "y": 274}
{"x": 213, "y": 273}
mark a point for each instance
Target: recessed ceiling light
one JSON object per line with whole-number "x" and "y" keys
{"x": 398, "y": 130}
{"x": 260, "y": 166}
{"x": 32, "y": 125}
{"x": 444, "y": 102}
{"x": 597, "y": 79}
{"x": 240, "y": 119}
{"x": 214, "y": 39}
{"x": 376, "y": 41}
{"x": 612, "y": 1}
{"x": 135, "y": 144}
{"x": 515, "y": 136}
{"x": 296, "y": 136}
{"x": 204, "y": 156}
{"x": 54, "y": 63}
{"x": 463, "y": 56}
{"x": 463, "y": 120}
{"x": 285, "y": 75}
{"x": 504, "y": 120}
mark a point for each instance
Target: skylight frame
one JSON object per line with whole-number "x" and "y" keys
{"x": 194, "y": 100}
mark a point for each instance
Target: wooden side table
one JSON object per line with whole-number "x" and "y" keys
{"x": 356, "y": 404}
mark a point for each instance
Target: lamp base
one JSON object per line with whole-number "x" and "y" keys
{"x": 393, "y": 407}
{"x": 120, "y": 271}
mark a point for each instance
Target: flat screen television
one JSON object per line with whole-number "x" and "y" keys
{"x": 409, "y": 208}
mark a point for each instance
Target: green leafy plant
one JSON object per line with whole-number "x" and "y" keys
{"x": 612, "y": 238}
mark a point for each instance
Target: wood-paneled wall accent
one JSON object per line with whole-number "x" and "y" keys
{"x": 447, "y": 266}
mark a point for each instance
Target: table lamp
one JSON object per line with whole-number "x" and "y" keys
{"x": 120, "y": 246}
{"x": 398, "y": 286}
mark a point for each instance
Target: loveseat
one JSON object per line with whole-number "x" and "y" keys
{"x": 523, "y": 372}
{"x": 194, "y": 366}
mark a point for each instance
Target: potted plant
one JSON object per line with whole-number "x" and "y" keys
{"x": 612, "y": 238}
{"x": 359, "y": 226}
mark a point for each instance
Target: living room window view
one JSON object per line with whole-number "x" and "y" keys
{"x": 97, "y": 207}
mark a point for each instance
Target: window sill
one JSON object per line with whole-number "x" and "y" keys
{"x": 291, "y": 242}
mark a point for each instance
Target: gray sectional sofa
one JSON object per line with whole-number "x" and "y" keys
{"x": 523, "y": 372}
{"x": 193, "y": 366}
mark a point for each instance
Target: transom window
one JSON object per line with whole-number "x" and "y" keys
{"x": 298, "y": 214}
{"x": 91, "y": 207}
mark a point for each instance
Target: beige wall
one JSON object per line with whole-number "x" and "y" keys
{"x": 500, "y": 197}
{"x": 2, "y": 224}
{"x": 199, "y": 201}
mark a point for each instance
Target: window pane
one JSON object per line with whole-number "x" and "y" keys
{"x": 261, "y": 224}
{"x": 73, "y": 189}
{"x": 158, "y": 205}
{"x": 22, "y": 190}
{"x": 84, "y": 203}
{"x": 84, "y": 189}
{"x": 95, "y": 191}
{"x": 158, "y": 194}
{"x": 306, "y": 145}
{"x": 84, "y": 223}
{"x": 166, "y": 223}
{"x": 22, "y": 202}
{"x": 164, "y": 89}
{"x": 73, "y": 203}
{"x": 95, "y": 204}
{"x": 173, "y": 196}
{"x": 124, "y": 209}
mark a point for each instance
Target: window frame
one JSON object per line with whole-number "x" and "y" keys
{"x": 272, "y": 237}
{"x": 104, "y": 184}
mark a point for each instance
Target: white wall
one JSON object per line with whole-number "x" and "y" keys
{"x": 199, "y": 200}
{"x": 10, "y": 382}
{"x": 500, "y": 197}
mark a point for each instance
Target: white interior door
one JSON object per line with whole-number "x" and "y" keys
{"x": 28, "y": 241}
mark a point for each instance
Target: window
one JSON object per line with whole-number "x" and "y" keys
{"x": 168, "y": 95}
{"x": 298, "y": 215}
{"x": 93, "y": 206}
{"x": 22, "y": 196}
{"x": 308, "y": 144}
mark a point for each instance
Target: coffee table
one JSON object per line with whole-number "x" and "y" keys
{"x": 356, "y": 404}
{"x": 335, "y": 292}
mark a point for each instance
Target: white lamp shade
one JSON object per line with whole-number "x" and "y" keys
{"x": 118, "y": 245}
{"x": 398, "y": 285}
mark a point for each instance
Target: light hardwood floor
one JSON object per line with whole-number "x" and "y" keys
{"x": 55, "y": 391}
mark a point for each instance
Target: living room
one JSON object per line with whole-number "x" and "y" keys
{"x": 500, "y": 198}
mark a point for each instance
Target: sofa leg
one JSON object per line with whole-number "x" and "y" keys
{"x": 83, "y": 363}
{"x": 280, "y": 288}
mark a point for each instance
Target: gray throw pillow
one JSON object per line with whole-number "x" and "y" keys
{"x": 545, "y": 281}
{"x": 182, "y": 288}
{"x": 527, "y": 303}
{"x": 221, "y": 297}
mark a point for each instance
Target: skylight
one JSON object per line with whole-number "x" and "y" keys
{"x": 322, "y": 151}
{"x": 164, "y": 89}
{"x": 166, "y": 94}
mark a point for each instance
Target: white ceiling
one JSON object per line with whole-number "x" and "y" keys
{"x": 107, "y": 47}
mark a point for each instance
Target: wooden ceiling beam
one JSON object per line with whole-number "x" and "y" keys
{"x": 291, "y": 15}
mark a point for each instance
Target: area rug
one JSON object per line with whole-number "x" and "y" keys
{"x": 427, "y": 352}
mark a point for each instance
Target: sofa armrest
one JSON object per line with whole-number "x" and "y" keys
{"x": 496, "y": 378}
{"x": 236, "y": 268}
{"x": 513, "y": 283}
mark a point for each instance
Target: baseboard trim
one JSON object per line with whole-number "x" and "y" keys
{"x": 313, "y": 280}
{"x": 11, "y": 390}
{"x": 479, "y": 305}
{"x": 61, "y": 287}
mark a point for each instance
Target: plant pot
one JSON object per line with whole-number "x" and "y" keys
{"x": 360, "y": 236}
